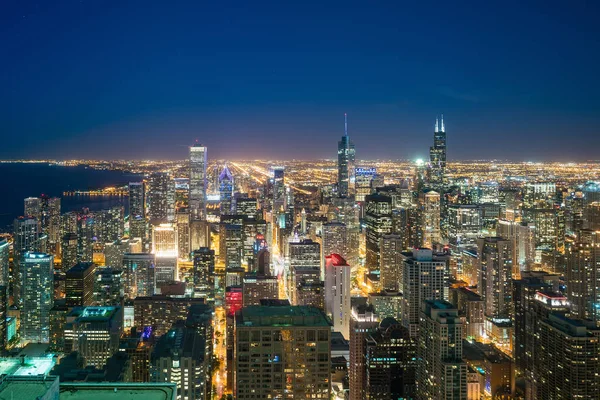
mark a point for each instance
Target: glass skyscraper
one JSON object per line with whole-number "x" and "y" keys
{"x": 198, "y": 183}
{"x": 37, "y": 294}
{"x": 346, "y": 155}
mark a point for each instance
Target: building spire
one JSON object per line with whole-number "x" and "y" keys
{"x": 443, "y": 129}
{"x": 436, "y": 125}
{"x": 345, "y": 124}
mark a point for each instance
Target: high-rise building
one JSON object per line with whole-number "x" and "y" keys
{"x": 268, "y": 362}
{"x": 437, "y": 154}
{"x": 226, "y": 191}
{"x": 27, "y": 237}
{"x": 33, "y": 207}
{"x": 334, "y": 241}
{"x": 203, "y": 272}
{"x": 424, "y": 277}
{"x": 184, "y": 239}
{"x": 364, "y": 321}
{"x": 259, "y": 287}
{"x": 165, "y": 247}
{"x": 69, "y": 251}
{"x": 51, "y": 221}
{"x": 137, "y": 210}
{"x": 278, "y": 189}
{"x": 139, "y": 275}
{"x": 79, "y": 285}
{"x": 583, "y": 276}
{"x": 464, "y": 224}
{"x": 391, "y": 362}
{"x": 429, "y": 207}
{"x": 441, "y": 372}
{"x": 346, "y": 158}
{"x": 198, "y": 181}
{"x": 108, "y": 287}
{"x": 378, "y": 221}
{"x": 37, "y": 295}
{"x": 305, "y": 268}
{"x": 94, "y": 332}
{"x": 496, "y": 260}
{"x": 391, "y": 247}
{"x": 161, "y": 197}
{"x": 337, "y": 292}
{"x": 159, "y": 313}
{"x": 246, "y": 206}
{"x": 232, "y": 245}
{"x": 183, "y": 356}
{"x": 566, "y": 361}
{"x": 363, "y": 184}
{"x": 4, "y": 262}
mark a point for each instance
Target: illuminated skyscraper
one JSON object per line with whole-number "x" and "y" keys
{"x": 441, "y": 372}
{"x": 391, "y": 262}
{"x": 363, "y": 184}
{"x": 437, "y": 154}
{"x": 198, "y": 181}
{"x": 184, "y": 238}
{"x": 28, "y": 237}
{"x": 226, "y": 191}
{"x": 337, "y": 293}
{"x": 137, "y": 210}
{"x": 346, "y": 156}
{"x": 203, "y": 275}
{"x": 378, "y": 221}
{"x": 51, "y": 221}
{"x": 161, "y": 197}
{"x": 364, "y": 321}
{"x": 4, "y": 262}
{"x": 335, "y": 240}
{"x": 37, "y": 296}
{"x": 496, "y": 259}
{"x": 68, "y": 251}
{"x": 583, "y": 276}
{"x": 139, "y": 275}
{"x": 165, "y": 247}
{"x": 33, "y": 207}
{"x": 430, "y": 218}
{"x": 278, "y": 189}
{"x": 79, "y": 285}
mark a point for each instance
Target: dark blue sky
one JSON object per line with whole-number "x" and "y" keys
{"x": 252, "y": 79}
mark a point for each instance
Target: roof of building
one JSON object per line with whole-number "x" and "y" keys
{"x": 118, "y": 391}
{"x": 281, "y": 316}
{"x": 26, "y": 388}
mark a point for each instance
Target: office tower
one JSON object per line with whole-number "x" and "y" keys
{"x": 391, "y": 247}
{"x": 198, "y": 181}
{"x": 539, "y": 194}
{"x": 278, "y": 189}
{"x": 441, "y": 372}
{"x": 294, "y": 362}
{"x": 94, "y": 332}
{"x": 437, "y": 154}
{"x": 108, "y": 286}
{"x": 496, "y": 260}
{"x": 364, "y": 179}
{"x": 583, "y": 276}
{"x": 182, "y": 356}
{"x": 159, "y": 313}
{"x": 69, "y": 251}
{"x": 51, "y": 220}
{"x": 86, "y": 233}
{"x": 79, "y": 285}
{"x": 251, "y": 230}
{"x": 464, "y": 224}
{"x": 184, "y": 240}
{"x": 27, "y": 237}
{"x": 246, "y": 206}
{"x": 226, "y": 191}
{"x": 387, "y": 303}
{"x": 378, "y": 221}
{"x": 199, "y": 234}
{"x": 137, "y": 210}
{"x": 139, "y": 274}
{"x": 114, "y": 252}
{"x": 33, "y": 208}
{"x": 305, "y": 270}
{"x": 364, "y": 320}
{"x": 165, "y": 247}
{"x": 424, "y": 278}
{"x": 4, "y": 262}
{"x": 523, "y": 235}
{"x": 161, "y": 197}
{"x": 391, "y": 362}
{"x": 470, "y": 307}
{"x": 567, "y": 362}
{"x": 37, "y": 295}
{"x": 346, "y": 158}
{"x": 335, "y": 238}
{"x": 259, "y": 287}
{"x": 232, "y": 245}
{"x": 429, "y": 207}
{"x": 337, "y": 293}
{"x": 203, "y": 272}
{"x": 111, "y": 224}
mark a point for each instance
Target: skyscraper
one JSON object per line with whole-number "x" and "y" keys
{"x": 583, "y": 276}
{"x": 346, "y": 156}
{"x": 79, "y": 285}
{"x": 441, "y": 372}
{"x": 33, "y": 207}
{"x": 203, "y": 272}
{"x": 226, "y": 191}
{"x": 27, "y": 238}
{"x": 161, "y": 197}
{"x": 391, "y": 262}
{"x": 278, "y": 189}
{"x": 430, "y": 216}
{"x": 137, "y": 210}
{"x": 496, "y": 260}
{"x": 364, "y": 321}
{"x": 139, "y": 274}
{"x": 37, "y": 295}
{"x": 4, "y": 262}
{"x": 198, "y": 181}
{"x": 437, "y": 154}
{"x": 378, "y": 221}
{"x": 337, "y": 292}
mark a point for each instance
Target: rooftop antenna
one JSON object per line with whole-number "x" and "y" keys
{"x": 436, "y": 125}
{"x": 443, "y": 129}
{"x": 345, "y": 124}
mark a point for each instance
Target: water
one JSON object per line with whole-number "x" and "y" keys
{"x": 18, "y": 181}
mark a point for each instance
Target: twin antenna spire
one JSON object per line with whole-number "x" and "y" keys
{"x": 345, "y": 124}
{"x": 439, "y": 128}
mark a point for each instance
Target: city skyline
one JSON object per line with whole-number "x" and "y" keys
{"x": 517, "y": 84}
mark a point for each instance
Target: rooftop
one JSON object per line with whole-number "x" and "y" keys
{"x": 26, "y": 366}
{"x": 281, "y": 316}
{"x": 118, "y": 391}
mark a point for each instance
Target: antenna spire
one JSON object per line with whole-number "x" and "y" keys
{"x": 436, "y": 125}
{"x": 345, "y": 124}
{"x": 443, "y": 129}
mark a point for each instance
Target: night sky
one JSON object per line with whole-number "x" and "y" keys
{"x": 250, "y": 79}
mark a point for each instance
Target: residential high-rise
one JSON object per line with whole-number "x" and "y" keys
{"x": 159, "y": 313}
{"x": 198, "y": 181}
{"x": 137, "y": 210}
{"x": 183, "y": 356}
{"x": 346, "y": 158}
{"x": 364, "y": 321}
{"x": 161, "y": 197}
{"x": 203, "y": 272}
{"x": 69, "y": 255}
{"x": 37, "y": 295}
{"x": 337, "y": 292}
{"x": 441, "y": 372}
{"x": 378, "y": 221}
{"x": 4, "y": 262}
{"x": 424, "y": 277}
{"x": 139, "y": 275}
{"x": 429, "y": 207}
{"x": 496, "y": 259}
{"x": 184, "y": 238}
{"x": 51, "y": 220}
{"x": 108, "y": 287}
{"x": 583, "y": 276}
{"x": 391, "y": 247}
{"x": 305, "y": 267}
{"x": 79, "y": 285}
{"x": 33, "y": 207}
{"x": 226, "y": 191}
{"x": 391, "y": 362}
{"x": 464, "y": 224}
{"x": 437, "y": 154}
{"x": 334, "y": 240}
{"x": 282, "y": 352}
{"x": 94, "y": 332}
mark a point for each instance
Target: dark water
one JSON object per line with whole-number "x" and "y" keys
{"x": 18, "y": 181}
